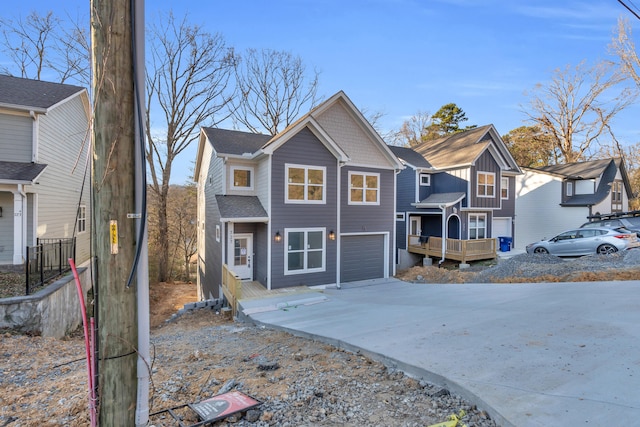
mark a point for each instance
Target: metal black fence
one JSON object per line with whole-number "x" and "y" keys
{"x": 48, "y": 259}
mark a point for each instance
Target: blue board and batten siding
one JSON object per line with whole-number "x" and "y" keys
{"x": 305, "y": 149}
{"x": 485, "y": 163}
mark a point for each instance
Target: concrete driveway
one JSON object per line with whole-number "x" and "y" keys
{"x": 560, "y": 354}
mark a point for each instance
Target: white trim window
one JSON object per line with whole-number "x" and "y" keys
{"x": 477, "y": 226}
{"x": 569, "y": 189}
{"x": 241, "y": 178}
{"x": 82, "y": 219}
{"x": 504, "y": 188}
{"x": 425, "y": 179}
{"x": 305, "y": 250}
{"x": 364, "y": 188}
{"x": 486, "y": 184}
{"x": 616, "y": 196}
{"x": 305, "y": 184}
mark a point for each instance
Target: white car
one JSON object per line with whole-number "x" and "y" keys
{"x": 586, "y": 241}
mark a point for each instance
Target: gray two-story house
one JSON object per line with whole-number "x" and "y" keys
{"x": 313, "y": 205}
{"x": 455, "y": 196}
{"x": 44, "y": 166}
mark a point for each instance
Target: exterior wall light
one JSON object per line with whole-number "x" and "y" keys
{"x": 332, "y": 235}
{"x": 277, "y": 237}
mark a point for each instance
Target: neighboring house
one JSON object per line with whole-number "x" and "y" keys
{"x": 460, "y": 187}
{"x": 555, "y": 198}
{"x": 44, "y": 176}
{"x": 313, "y": 205}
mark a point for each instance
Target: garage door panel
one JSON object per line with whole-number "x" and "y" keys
{"x": 362, "y": 258}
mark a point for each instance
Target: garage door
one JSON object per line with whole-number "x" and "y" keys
{"x": 362, "y": 257}
{"x": 501, "y": 227}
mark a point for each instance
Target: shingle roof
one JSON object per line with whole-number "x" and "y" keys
{"x": 19, "y": 92}
{"x": 235, "y": 142}
{"x": 608, "y": 170}
{"x": 240, "y": 207}
{"x": 410, "y": 156}
{"x": 580, "y": 170}
{"x": 21, "y": 172}
{"x": 455, "y": 150}
{"x": 439, "y": 199}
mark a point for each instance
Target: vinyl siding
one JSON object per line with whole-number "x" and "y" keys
{"x": 303, "y": 149}
{"x": 538, "y": 211}
{"x": 16, "y": 142}
{"x": 485, "y": 163}
{"x": 406, "y": 193}
{"x": 370, "y": 218}
{"x": 351, "y": 137}
{"x": 6, "y": 228}
{"x": 262, "y": 183}
{"x": 508, "y": 206}
{"x": 209, "y": 250}
{"x": 65, "y": 184}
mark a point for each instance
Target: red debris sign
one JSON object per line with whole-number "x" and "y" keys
{"x": 223, "y": 405}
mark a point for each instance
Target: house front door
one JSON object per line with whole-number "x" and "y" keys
{"x": 242, "y": 256}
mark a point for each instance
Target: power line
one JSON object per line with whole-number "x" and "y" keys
{"x": 630, "y": 9}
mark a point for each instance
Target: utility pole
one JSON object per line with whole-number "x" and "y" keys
{"x": 114, "y": 198}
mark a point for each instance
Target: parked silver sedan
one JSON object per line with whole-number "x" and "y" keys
{"x": 586, "y": 241}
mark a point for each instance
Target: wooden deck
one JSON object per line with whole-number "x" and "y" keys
{"x": 235, "y": 289}
{"x": 457, "y": 250}
{"x": 254, "y": 290}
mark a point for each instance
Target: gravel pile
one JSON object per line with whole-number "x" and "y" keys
{"x": 535, "y": 265}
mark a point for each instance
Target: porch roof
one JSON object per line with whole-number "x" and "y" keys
{"x": 20, "y": 173}
{"x": 438, "y": 200}
{"x": 241, "y": 209}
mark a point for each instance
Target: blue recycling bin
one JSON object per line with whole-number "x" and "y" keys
{"x": 505, "y": 243}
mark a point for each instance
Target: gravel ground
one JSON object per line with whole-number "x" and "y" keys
{"x": 300, "y": 382}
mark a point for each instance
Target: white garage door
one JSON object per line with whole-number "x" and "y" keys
{"x": 501, "y": 227}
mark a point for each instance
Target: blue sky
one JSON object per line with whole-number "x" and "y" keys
{"x": 399, "y": 57}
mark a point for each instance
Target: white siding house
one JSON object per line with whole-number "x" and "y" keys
{"x": 44, "y": 166}
{"x": 555, "y": 198}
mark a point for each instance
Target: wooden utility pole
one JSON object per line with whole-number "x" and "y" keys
{"x": 113, "y": 189}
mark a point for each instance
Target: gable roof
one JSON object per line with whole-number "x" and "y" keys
{"x": 311, "y": 120}
{"x": 20, "y": 173}
{"x": 605, "y": 169}
{"x": 234, "y": 142}
{"x": 38, "y": 95}
{"x": 410, "y": 157}
{"x": 250, "y": 145}
{"x": 464, "y": 148}
{"x": 580, "y": 170}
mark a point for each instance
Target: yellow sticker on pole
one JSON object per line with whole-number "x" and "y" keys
{"x": 113, "y": 230}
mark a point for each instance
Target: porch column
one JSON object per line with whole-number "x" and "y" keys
{"x": 18, "y": 229}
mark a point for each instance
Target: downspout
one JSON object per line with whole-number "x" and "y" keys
{"x": 34, "y": 137}
{"x": 444, "y": 234}
{"x": 23, "y": 222}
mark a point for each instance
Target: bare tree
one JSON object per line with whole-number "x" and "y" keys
{"x": 43, "y": 44}
{"x": 182, "y": 217}
{"x": 188, "y": 85}
{"x": 413, "y": 129}
{"x": 577, "y": 106}
{"x": 624, "y": 48}
{"x": 273, "y": 90}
